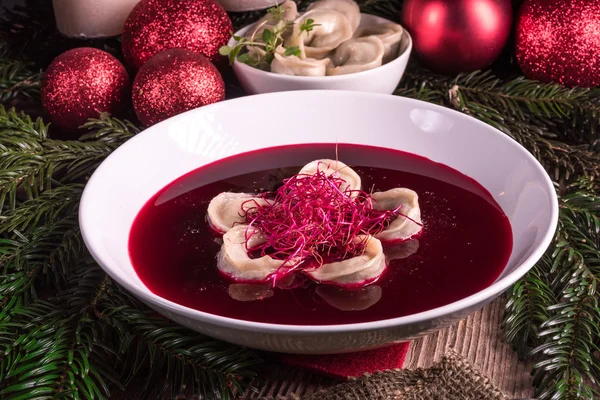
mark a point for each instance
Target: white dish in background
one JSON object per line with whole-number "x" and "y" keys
{"x": 148, "y": 162}
{"x": 246, "y": 5}
{"x": 383, "y": 79}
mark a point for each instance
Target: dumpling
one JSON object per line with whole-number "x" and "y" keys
{"x": 347, "y": 7}
{"x": 350, "y": 300}
{"x": 401, "y": 228}
{"x": 390, "y": 34}
{"x": 289, "y": 13}
{"x": 292, "y": 65}
{"x": 234, "y": 261}
{"x": 356, "y": 55}
{"x": 366, "y": 267}
{"x": 249, "y": 291}
{"x": 225, "y": 210}
{"x": 333, "y": 29}
{"x": 401, "y": 250}
{"x": 330, "y": 167}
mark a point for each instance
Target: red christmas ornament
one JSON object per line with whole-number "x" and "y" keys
{"x": 156, "y": 25}
{"x": 175, "y": 81}
{"x": 559, "y": 41}
{"x": 454, "y": 36}
{"x": 81, "y": 83}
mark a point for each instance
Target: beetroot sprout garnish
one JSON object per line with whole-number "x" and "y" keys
{"x": 310, "y": 221}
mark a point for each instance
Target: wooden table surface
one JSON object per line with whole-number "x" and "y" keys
{"x": 477, "y": 338}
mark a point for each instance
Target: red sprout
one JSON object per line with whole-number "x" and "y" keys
{"x": 309, "y": 220}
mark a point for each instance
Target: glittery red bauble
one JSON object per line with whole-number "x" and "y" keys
{"x": 454, "y": 36}
{"x": 559, "y": 41}
{"x": 175, "y": 81}
{"x": 80, "y": 84}
{"x": 156, "y": 25}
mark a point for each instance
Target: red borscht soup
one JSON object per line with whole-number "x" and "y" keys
{"x": 463, "y": 242}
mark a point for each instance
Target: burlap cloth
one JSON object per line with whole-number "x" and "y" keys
{"x": 453, "y": 378}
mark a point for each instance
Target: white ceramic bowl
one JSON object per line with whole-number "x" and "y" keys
{"x": 246, "y": 5}
{"x": 146, "y": 163}
{"x": 383, "y": 79}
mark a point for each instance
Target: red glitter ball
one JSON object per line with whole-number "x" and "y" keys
{"x": 80, "y": 84}
{"x": 156, "y": 25}
{"x": 559, "y": 41}
{"x": 175, "y": 81}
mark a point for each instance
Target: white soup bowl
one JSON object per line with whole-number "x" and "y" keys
{"x": 156, "y": 157}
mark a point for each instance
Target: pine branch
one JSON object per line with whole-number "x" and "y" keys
{"x": 215, "y": 369}
{"x": 16, "y": 79}
{"x": 24, "y": 26}
{"x": 48, "y": 251}
{"x": 520, "y": 95}
{"x": 40, "y": 238}
{"x": 568, "y": 360}
{"x": 526, "y": 309}
{"x": 58, "y": 350}
{"x": 17, "y": 289}
{"x": 31, "y": 163}
{"x": 52, "y": 205}
{"x": 564, "y": 162}
{"x": 524, "y": 99}
{"x": 109, "y": 130}
{"x": 551, "y": 107}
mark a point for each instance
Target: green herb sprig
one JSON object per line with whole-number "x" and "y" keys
{"x": 269, "y": 42}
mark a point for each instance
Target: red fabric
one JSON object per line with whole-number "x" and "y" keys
{"x": 352, "y": 364}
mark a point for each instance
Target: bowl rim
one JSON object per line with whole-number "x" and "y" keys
{"x": 488, "y": 293}
{"x": 332, "y": 78}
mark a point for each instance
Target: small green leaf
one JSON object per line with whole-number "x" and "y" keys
{"x": 293, "y": 51}
{"x": 267, "y": 36}
{"x": 238, "y": 38}
{"x": 269, "y": 58}
{"x": 224, "y": 50}
{"x": 245, "y": 58}
{"x": 308, "y": 25}
{"x": 233, "y": 55}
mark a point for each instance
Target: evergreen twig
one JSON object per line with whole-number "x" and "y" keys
{"x": 30, "y": 162}
{"x": 16, "y": 79}
{"x": 213, "y": 369}
{"x": 527, "y": 309}
{"x": 568, "y": 364}
{"x": 519, "y": 108}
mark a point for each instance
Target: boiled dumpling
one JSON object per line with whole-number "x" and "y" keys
{"x": 401, "y": 250}
{"x": 292, "y": 65}
{"x": 289, "y": 14}
{"x": 366, "y": 267}
{"x": 333, "y": 29}
{"x": 347, "y": 7}
{"x": 350, "y": 300}
{"x": 225, "y": 210}
{"x": 401, "y": 228}
{"x": 331, "y": 167}
{"x": 356, "y": 55}
{"x": 250, "y": 291}
{"x": 234, "y": 261}
{"x": 390, "y": 34}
